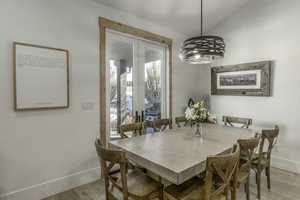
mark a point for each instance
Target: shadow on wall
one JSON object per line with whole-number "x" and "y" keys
{"x": 44, "y": 112}
{"x": 1, "y": 192}
{"x": 273, "y": 64}
{"x": 3, "y": 197}
{"x": 2, "y": 189}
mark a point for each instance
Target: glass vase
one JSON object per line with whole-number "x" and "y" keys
{"x": 199, "y": 130}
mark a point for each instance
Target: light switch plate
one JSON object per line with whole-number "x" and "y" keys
{"x": 87, "y": 106}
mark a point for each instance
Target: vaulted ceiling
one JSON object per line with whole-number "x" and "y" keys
{"x": 182, "y": 16}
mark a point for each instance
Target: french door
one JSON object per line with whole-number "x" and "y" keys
{"x": 137, "y": 80}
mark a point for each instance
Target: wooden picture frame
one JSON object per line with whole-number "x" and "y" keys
{"x": 41, "y": 77}
{"x": 249, "y": 79}
{"x": 105, "y": 24}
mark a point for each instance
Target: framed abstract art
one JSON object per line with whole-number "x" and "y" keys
{"x": 41, "y": 77}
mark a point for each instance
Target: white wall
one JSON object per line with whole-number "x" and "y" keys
{"x": 267, "y": 30}
{"x": 44, "y": 152}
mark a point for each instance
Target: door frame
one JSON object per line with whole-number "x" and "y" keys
{"x": 105, "y": 24}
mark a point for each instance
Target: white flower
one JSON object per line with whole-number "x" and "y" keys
{"x": 197, "y": 113}
{"x": 203, "y": 109}
{"x": 189, "y": 113}
{"x": 196, "y": 105}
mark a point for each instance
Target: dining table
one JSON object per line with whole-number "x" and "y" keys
{"x": 177, "y": 154}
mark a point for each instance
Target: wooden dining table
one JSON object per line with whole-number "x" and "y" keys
{"x": 178, "y": 154}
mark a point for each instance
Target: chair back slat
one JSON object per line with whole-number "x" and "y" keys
{"x": 223, "y": 168}
{"x": 134, "y": 128}
{"x": 108, "y": 159}
{"x": 248, "y": 147}
{"x": 269, "y": 138}
{"x": 230, "y": 121}
{"x": 161, "y": 124}
{"x": 180, "y": 120}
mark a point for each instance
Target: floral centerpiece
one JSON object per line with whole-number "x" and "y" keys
{"x": 197, "y": 114}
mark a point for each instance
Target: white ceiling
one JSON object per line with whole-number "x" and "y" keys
{"x": 182, "y": 16}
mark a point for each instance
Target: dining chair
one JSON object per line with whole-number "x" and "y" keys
{"x": 127, "y": 184}
{"x": 161, "y": 124}
{"x": 222, "y": 167}
{"x": 262, "y": 159}
{"x": 247, "y": 147}
{"x": 181, "y": 121}
{"x": 134, "y": 128}
{"x": 230, "y": 121}
{"x": 212, "y": 119}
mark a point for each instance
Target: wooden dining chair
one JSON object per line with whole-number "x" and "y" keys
{"x": 161, "y": 124}
{"x": 222, "y": 167}
{"x": 134, "y": 128}
{"x": 230, "y": 121}
{"x": 181, "y": 121}
{"x": 128, "y": 184}
{"x": 247, "y": 147}
{"x": 262, "y": 160}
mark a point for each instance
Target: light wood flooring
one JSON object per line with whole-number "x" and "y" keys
{"x": 285, "y": 186}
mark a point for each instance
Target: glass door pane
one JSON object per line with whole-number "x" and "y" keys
{"x": 154, "y": 81}
{"x": 120, "y": 61}
{"x": 137, "y": 80}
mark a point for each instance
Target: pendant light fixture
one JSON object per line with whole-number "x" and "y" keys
{"x": 202, "y": 49}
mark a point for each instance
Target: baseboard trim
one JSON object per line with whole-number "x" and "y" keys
{"x": 54, "y": 186}
{"x": 285, "y": 164}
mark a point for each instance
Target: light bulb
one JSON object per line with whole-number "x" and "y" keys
{"x": 197, "y": 56}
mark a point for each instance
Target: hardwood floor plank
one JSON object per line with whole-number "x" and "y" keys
{"x": 68, "y": 195}
{"x": 285, "y": 186}
{"x": 91, "y": 191}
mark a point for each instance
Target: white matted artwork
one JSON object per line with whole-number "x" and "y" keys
{"x": 41, "y": 76}
{"x": 248, "y": 79}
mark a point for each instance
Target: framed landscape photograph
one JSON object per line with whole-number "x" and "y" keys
{"x": 41, "y": 77}
{"x": 250, "y": 79}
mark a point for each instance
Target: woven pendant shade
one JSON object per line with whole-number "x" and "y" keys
{"x": 202, "y": 49}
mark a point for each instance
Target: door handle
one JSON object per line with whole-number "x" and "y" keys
{"x": 143, "y": 116}
{"x": 136, "y": 116}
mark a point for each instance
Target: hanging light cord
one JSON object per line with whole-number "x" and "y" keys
{"x": 201, "y": 17}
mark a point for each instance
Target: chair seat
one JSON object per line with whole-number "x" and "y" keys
{"x": 264, "y": 160}
{"x": 243, "y": 176}
{"x": 190, "y": 190}
{"x": 255, "y": 159}
{"x": 138, "y": 184}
